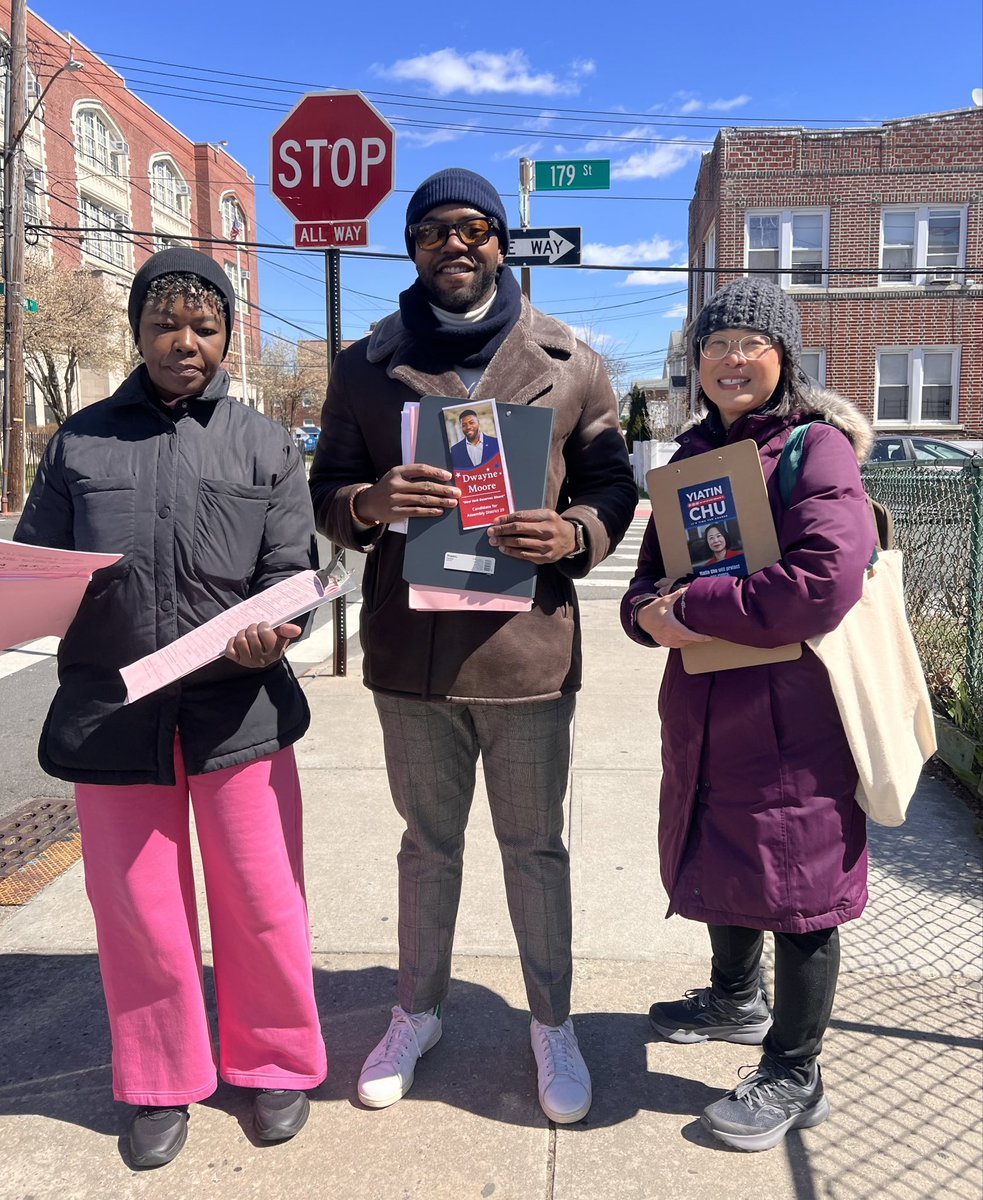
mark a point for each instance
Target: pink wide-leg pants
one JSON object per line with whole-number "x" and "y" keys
{"x": 136, "y": 847}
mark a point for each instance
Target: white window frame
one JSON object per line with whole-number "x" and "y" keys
{"x": 109, "y": 247}
{"x": 919, "y": 267}
{"x": 230, "y": 207}
{"x": 786, "y": 268}
{"x": 165, "y": 179}
{"x": 709, "y": 263}
{"x": 94, "y": 138}
{"x": 821, "y": 376}
{"x": 915, "y": 382}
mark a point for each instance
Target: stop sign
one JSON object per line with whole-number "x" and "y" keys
{"x": 333, "y": 158}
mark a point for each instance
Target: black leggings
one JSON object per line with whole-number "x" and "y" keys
{"x": 806, "y": 967}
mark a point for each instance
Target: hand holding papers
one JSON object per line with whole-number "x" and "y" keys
{"x": 277, "y": 605}
{"x": 41, "y": 589}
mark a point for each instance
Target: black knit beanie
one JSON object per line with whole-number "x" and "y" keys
{"x": 181, "y": 260}
{"x": 751, "y": 304}
{"x": 456, "y": 185}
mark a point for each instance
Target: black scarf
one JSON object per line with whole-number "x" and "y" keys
{"x": 471, "y": 345}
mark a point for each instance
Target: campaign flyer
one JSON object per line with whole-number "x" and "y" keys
{"x": 712, "y": 529}
{"x": 478, "y": 462}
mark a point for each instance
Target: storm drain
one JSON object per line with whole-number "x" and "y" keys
{"x": 37, "y": 842}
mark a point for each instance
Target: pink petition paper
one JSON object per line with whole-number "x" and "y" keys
{"x": 41, "y": 589}
{"x": 278, "y": 604}
{"x": 438, "y": 599}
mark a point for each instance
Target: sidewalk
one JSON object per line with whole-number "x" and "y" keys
{"x": 902, "y": 1058}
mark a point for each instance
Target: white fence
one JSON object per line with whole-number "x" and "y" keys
{"x": 646, "y": 455}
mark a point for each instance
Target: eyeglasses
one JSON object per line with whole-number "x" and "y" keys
{"x": 432, "y": 235}
{"x": 751, "y": 346}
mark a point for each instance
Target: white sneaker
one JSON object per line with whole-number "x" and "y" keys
{"x": 387, "y": 1074}
{"x": 564, "y": 1081}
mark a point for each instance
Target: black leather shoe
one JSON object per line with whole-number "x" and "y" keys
{"x": 157, "y": 1135}
{"x": 279, "y": 1114}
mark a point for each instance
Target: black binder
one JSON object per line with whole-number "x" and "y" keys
{"x": 527, "y": 434}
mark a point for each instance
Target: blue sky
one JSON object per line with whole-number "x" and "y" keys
{"x": 478, "y": 85}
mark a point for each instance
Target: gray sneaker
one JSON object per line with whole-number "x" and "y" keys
{"x": 759, "y": 1112}
{"x": 701, "y": 1016}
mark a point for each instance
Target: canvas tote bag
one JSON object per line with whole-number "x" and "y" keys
{"x": 877, "y": 679}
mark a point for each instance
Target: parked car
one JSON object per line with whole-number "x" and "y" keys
{"x": 921, "y": 451}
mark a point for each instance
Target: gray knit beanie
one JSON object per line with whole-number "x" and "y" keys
{"x": 456, "y": 185}
{"x": 751, "y": 304}
{"x": 181, "y": 260}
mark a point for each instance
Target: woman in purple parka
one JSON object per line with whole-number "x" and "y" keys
{"x": 758, "y": 826}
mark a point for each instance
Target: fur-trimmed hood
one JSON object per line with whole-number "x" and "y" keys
{"x": 822, "y": 404}
{"x": 825, "y": 405}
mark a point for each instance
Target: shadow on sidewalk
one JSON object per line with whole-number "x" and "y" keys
{"x": 57, "y": 1050}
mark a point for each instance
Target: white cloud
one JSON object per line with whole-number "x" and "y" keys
{"x": 656, "y": 161}
{"x": 522, "y": 151}
{"x": 600, "y": 341}
{"x": 677, "y": 310}
{"x": 695, "y": 104}
{"x": 654, "y": 278}
{"x": 629, "y": 254}
{"x": 480, "y": 71}
{"x": 422, "y": 138}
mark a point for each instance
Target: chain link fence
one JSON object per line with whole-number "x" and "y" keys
{"x": 938, "y": 526}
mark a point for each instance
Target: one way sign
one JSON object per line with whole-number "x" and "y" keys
{"x": 552, "y": 247}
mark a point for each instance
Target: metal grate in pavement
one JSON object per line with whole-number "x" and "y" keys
{"x": 37, "y": 843}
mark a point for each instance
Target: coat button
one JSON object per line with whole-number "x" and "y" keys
{"x": 164, "y": 512}
{"x": 696, "y": 891}
{"x": 166, "y": 605}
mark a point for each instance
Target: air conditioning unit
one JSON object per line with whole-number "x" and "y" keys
{"x": 182, "y": 189}
{"x": 33, "y": 175}
{"x": 940, "y": 277}
{"x": 244, "y": 276}
{"x": 120, "y": 147}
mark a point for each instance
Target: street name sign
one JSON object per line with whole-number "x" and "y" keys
{"x": 572, "y": 175}
{"x": 332, "y": 165}
{"x": 555, "y": 246}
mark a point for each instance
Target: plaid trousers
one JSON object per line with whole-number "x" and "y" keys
{"x": 432, "y": 752}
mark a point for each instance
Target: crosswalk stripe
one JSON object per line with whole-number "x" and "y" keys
{"x": 28, "y": 655}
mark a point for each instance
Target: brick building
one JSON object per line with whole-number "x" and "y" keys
{"x": 109, "y": 181}
{"x": 878, "y": 235}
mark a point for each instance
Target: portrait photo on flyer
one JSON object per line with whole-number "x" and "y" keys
{"x": 478, "y": 462}
{"x": 712, "y": 528}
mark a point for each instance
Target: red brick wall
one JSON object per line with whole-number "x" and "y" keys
{"x": 934, "y": 159}
{"x": 208, "y": 171}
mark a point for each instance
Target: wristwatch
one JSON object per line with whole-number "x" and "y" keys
{"x": 581, "y": 546}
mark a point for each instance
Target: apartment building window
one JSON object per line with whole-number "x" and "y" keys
{"x": 709, "y": 264}
{"x": 167, "y": 186}
{"x": 789, "y": 246}
{"x": 233, "y": 221}
{"x": 32, "y": 205}
{"x": 924, "y": 245}
{"x": 918, "y": 385}
{"x": 240, "y": 282}
{"x": 108, "y": 246}
{"x": 813, "y": 363}
{"x": 97, "y": 144}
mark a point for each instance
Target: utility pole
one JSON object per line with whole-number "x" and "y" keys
{"x": 15, "y": 110}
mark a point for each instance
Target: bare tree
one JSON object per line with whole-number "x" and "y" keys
{"x": 289, "y": 387}
{"x": 79, "y": 323}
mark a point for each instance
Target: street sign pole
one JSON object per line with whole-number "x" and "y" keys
{"x": 332, "y": 294}
{"x": 525, "y": 186}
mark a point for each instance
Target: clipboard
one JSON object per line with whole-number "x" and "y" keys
{"x": 725, "y": 488}
{"x": 438, "y": 552}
